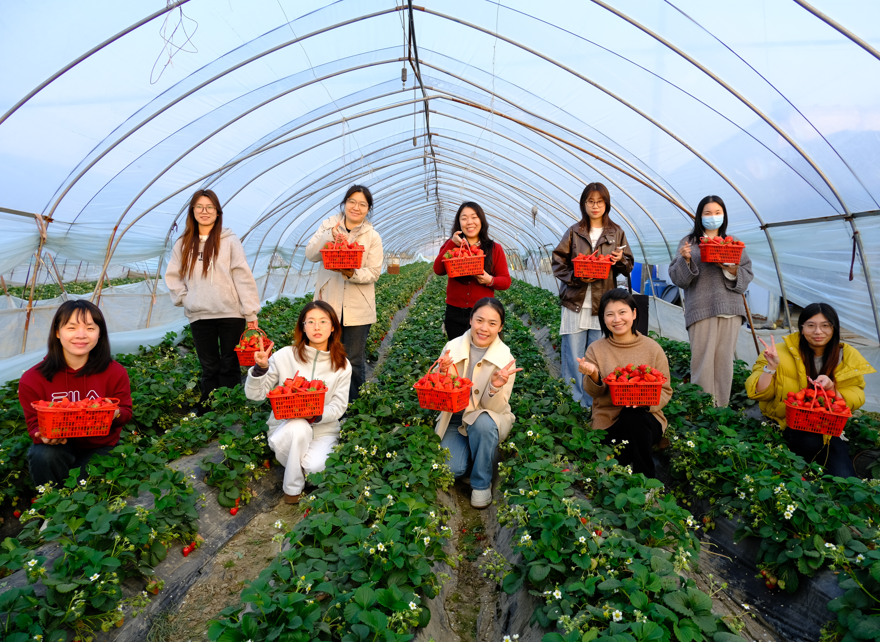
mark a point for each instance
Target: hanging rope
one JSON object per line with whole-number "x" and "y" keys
{"x": 169, "y": 48}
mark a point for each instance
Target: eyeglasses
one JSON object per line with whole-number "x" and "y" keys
{"x": 595, "y": 202}
{"x": 361, "y": 205}
{"x": 210, "y": 209}
{"x": 824, "y": 327}
{"x": 311, "y": 323}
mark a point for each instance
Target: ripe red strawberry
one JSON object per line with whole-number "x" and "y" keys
{"x": 233, "y": 511}
{"x": 16, "y": 513}
{"x": 267, "y": 464}
{"x": 186, "y": 551}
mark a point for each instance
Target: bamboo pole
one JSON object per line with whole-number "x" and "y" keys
{"x": 751, "y": 324}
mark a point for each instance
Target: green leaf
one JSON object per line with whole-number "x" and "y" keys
{"x": 66, "y": 588}
{"x": 687, "y": 631}
{"x": 639, "y": 600}
{"x": 678, "y": 601}
{"x": 538, "y": 572}
{"x": 875, "y": 571}
{"x": 724, "y": 636}
{"x": 647, "y": 631}
{"x": 512, "y": 583}
{"x": 867, "y": 628}
{"x": 364, "y": 597}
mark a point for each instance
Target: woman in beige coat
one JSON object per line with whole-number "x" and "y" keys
{"x": 473, "y": 435}
{"x": 351, "y": 293}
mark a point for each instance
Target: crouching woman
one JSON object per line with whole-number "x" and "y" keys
{"x": 303, "y": 445}
{"x": 637, "y": 429}
{"x": 472, "y": 436}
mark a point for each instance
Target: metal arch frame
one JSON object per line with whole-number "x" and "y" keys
{"x": 839, "y": 27}
{"x": 769, "y": 121}
{"x": 171, "y": 5}
{"x": 638, "y": 111}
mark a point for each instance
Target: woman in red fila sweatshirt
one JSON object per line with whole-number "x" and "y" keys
{"x": 78, "y": 366}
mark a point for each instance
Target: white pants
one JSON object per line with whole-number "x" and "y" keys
{"x": 299, "y": 452}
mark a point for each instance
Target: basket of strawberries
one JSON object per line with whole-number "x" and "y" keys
{"x": 721, "y": 249}
{"x": 594, "y": 266}
{"x": 85, "y": 418}
{"x": 464, "y": 260}
{"x": 816, "y": 410}
{"x": 298, "y": 398}
{"x": 635, "y": 385}
{"x": 340, "y": 255}
{"x": 444, "y": 392}
{"x": 250, "y": 342}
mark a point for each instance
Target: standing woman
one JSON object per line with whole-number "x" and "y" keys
{"x": 814, "y": 353}
{"x": 579, "y": 297}
{"x": 713, "y": 302}
{"x": 463, "y": 291}
{"x": 77, "y": 366}
{"x": 351, "y": 293}
{"x": 303, "y": 445}
{"x": 636, "y": 430}
{"x": 472, "y": 435}
{"x": 209, "y": 276}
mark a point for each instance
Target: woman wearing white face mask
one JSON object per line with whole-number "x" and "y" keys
{"x": 714, "y": 308}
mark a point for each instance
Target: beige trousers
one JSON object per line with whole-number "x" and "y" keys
{"x": 713, "y": 342}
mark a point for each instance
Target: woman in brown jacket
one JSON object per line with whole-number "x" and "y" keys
{"x": 580, "y": 297}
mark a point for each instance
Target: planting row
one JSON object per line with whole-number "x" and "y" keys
{"x": 741, "y": 468}
{"x": 53, "y": 290}
{"x": 103, "y": 540}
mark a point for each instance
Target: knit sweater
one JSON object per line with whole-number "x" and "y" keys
{"x": 228, "y": 291}
{"x": 284, "y": 364}
{"x": 464, "y": 292}
{"x": 609, "y": 354}
{"x": 706, "y": 292}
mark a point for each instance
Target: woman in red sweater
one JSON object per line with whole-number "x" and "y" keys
{"x": 78, "y": 366}
{"x": 463, "y": 291}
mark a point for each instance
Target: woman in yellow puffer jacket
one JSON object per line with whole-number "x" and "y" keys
{"x": 813, "y": 354}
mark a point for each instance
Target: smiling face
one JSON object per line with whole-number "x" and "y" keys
{"x": 595, "y": 206}
{"x": 356, "y": 210}
{"x": 818, "y": 330}
{"x": 470, "y": 223}
{"x": 318, "y": 328}
{"x": 205, "y": 214}
{"x": 78, "y": 336}
{"x": 485, "y": 326}
{"x": 619, "y": 319}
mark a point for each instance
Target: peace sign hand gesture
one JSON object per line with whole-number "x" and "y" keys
{"x": 500, "y": 377}
{"x": 261, "y": 356}
{"x": 770, "y": 353}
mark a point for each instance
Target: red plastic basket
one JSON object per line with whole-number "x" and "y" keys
{"x": 342, "y": 259}
{"x": 454, "y": 400}
{"x": 62, "y": 423}
{"x": 712, "y": 253}
{"x": 635, "y": 394}
{"x": 815, "y": 421}
{"x": 464, "y": 266}
{"x": 585, "y": 269}
{"x": 298, "y": 405}
{"x": 246, "y": 355}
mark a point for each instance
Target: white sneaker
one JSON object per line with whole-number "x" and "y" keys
{"x": 481, "y": 498}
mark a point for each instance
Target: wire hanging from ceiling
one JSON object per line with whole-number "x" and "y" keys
{"x": 170, "y": 47}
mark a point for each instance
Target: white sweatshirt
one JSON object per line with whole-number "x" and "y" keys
{"x": 284, "y": 364}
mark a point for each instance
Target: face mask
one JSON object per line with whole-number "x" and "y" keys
{"x": 712, "y": 222}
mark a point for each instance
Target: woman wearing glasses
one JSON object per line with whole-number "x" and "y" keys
{"x": 813, "y": 354}
{"x": 303, "y": 445}
{"x": 351, "y": 293}
{"x": 209, "y": 276}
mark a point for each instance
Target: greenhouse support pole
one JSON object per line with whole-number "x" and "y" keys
{"x": 286, "y": 274}
{"x": 60, "y": 282}
{"x": 858, "y": 240}
{"x": 30, "y": 306}
{"x": 751, "y": 324}
{"x": 155, "y": 288}
{"x": 3, "y": 283}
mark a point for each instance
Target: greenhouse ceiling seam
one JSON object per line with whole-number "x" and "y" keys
{"x": 170, "y": 6}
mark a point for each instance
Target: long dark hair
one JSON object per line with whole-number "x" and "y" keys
{"x": 831, "y": 355}
{"x": 486, "y": 244}
{"x": 617, "y": 294}
{"x": 605, "y": 195}
{"x": 189, "y": 248}
{"x": 699, "y": 231}
{"x": 334, "y": 343}
{"x": 354, "y": 189}
{"x": 99, "y": 357}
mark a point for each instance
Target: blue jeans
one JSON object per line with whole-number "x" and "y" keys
{"x": 574, "y": 347}
{"x": 474, "y": 453}
{"x": 354, "y": 338}
{"x": 54, "y": 463}
{"x": 834, "y": 457}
